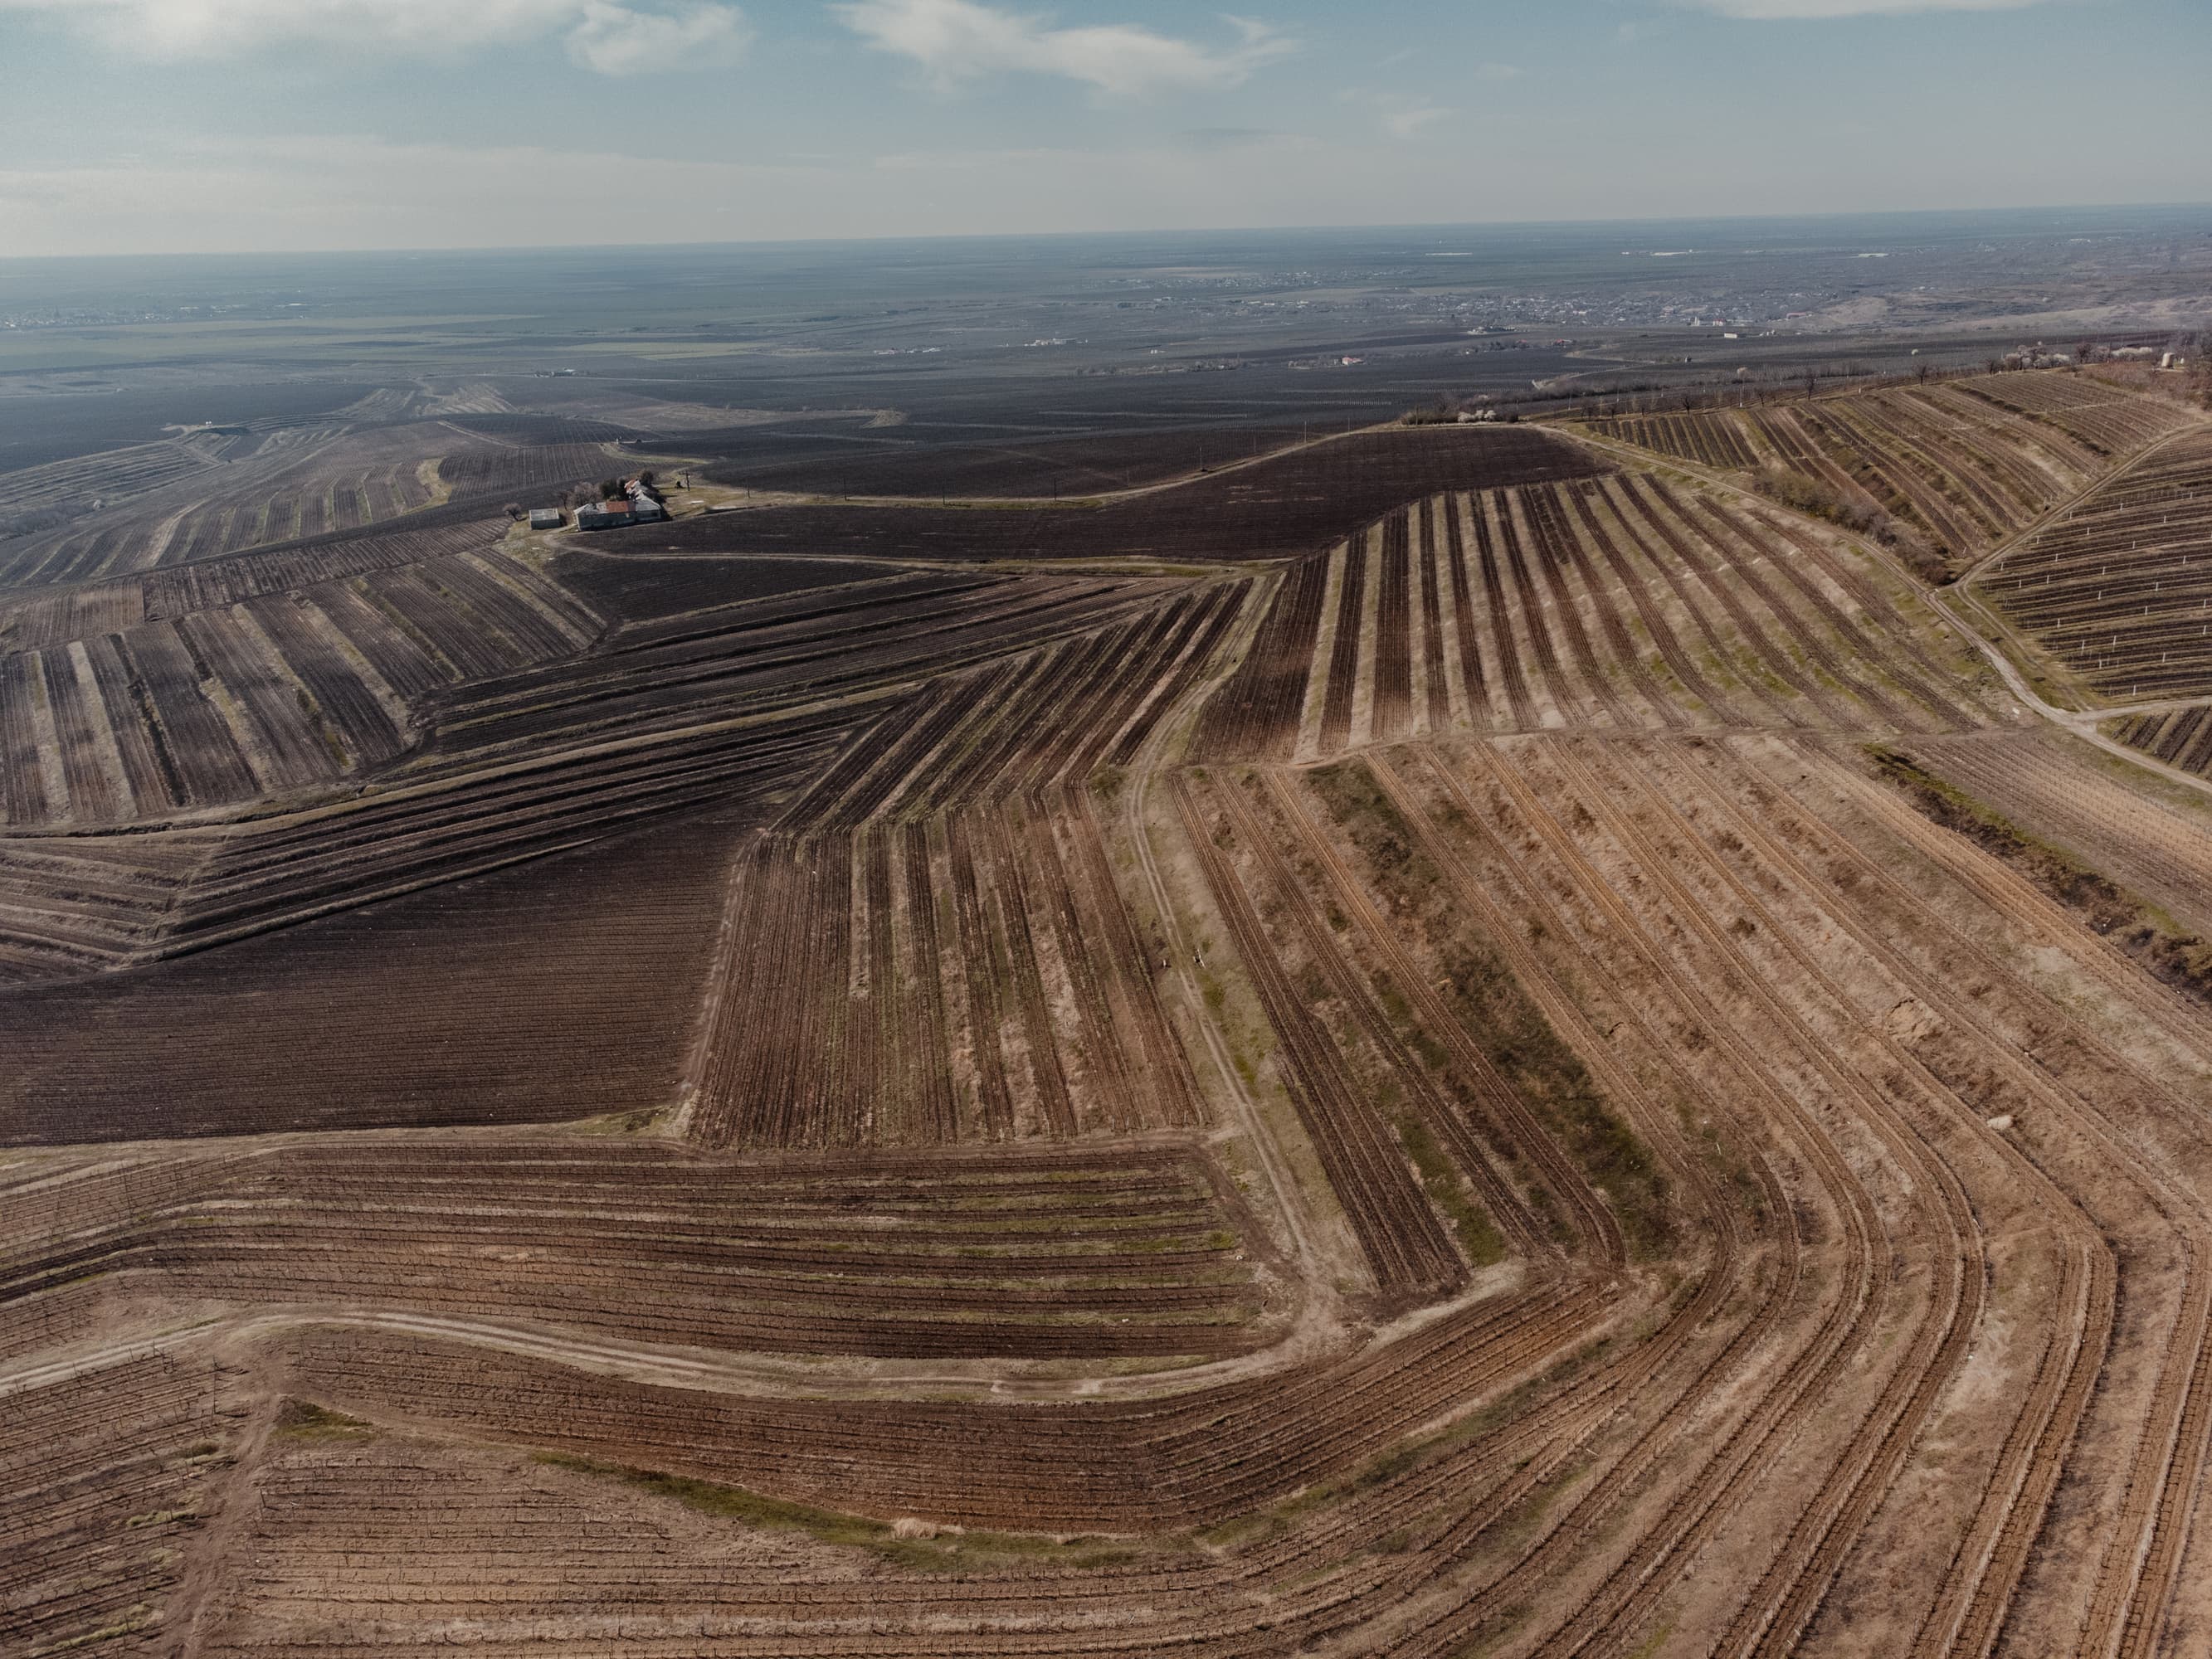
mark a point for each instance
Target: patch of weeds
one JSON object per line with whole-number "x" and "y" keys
{"x": 303, "y": 1420}
{"x": 1478, "y": 1235}
{"x": 1414, "y": 1453}
{"x": 134, "y": 1620}
{"x": 918, "y": 1548}
{"x": 1487, "y": 999}
{"x": 162, "y": 1518}
{"x": 1704, "y": 1132}
{"x": 623, "y": 1123}
{"x": 1518, "y": 1524}
{"x": 2182, "y": 959}
{"x": 1213, "y": 991}
{"x": 1552, "y": 1081}
{"x": 1871, "y": 510}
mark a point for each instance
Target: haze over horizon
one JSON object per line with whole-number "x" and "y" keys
{"x": 149, "y": 126}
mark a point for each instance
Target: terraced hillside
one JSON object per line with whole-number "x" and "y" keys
{"x": 2118, "y": 587}
{"x": 210, "y": 494}
{"x": 1559, "y": 1066}
{"x": 1963, "y": 464}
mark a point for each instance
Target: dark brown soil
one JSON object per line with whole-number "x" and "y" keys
{"x": 1274, "y": 508}
{"x": 557, "y": 991}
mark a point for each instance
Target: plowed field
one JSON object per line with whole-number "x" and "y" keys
{"x": 1528, "y": 1058}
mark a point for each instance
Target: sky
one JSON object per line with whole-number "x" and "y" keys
{"x": 135, "y": 126}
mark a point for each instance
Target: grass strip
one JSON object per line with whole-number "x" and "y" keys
{"x": 2180, "y": 959}
{"x": 918, "y": 1546}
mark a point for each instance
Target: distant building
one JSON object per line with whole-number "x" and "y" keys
{"x": 2133, "y": 354}
{"x": 545, "y": 518}
{"x": 2173, "y": 360}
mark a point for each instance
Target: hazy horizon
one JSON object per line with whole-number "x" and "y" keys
{"x": 1932, "y": 215}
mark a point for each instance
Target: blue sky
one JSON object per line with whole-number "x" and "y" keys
{"x": 190, "y": 126}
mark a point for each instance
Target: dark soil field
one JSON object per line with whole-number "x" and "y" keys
{"x": 636, "y": 586}
{"x": 465, "y": 1003}
{"x": 916, "y": 460}
{"x": 1274, "y": 507}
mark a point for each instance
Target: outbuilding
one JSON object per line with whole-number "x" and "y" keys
{"x": 545, "y": 518}
{"x": 605, "y": 515}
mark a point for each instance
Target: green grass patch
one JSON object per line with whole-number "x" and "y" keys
{"x": 633, "y": 1122}
{"x": 1440, "y": 1177}
{"x": 950, "y": 1550}
{"x": 1414, "y": 1453}
{"x": 303, "y": 1420}
{"x": 1494, "y": 1009}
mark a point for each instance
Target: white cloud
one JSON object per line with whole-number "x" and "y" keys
{"x": 956, "y": 39}
{"x": 614, "y": 39}
{"x": 611, "y": 37}
{"x": 1771, "y": 10}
